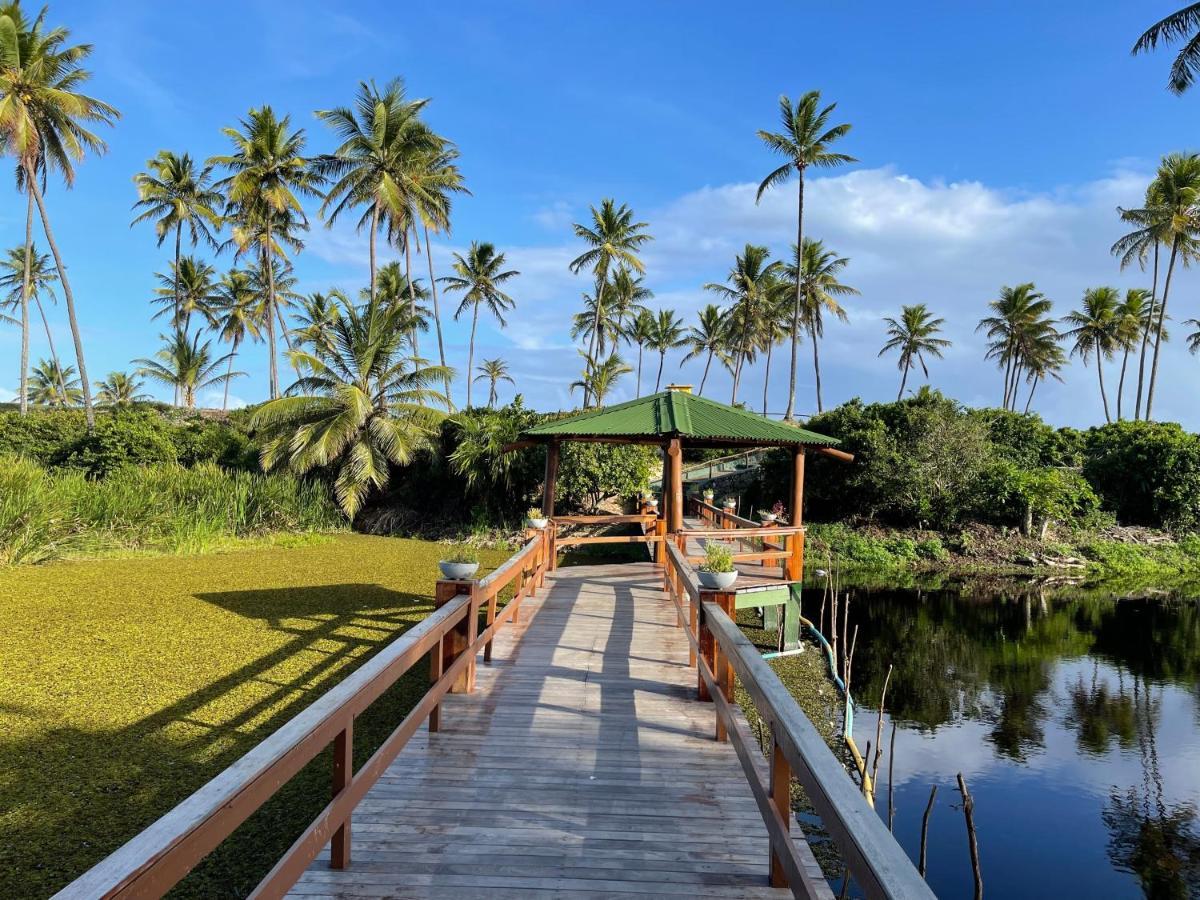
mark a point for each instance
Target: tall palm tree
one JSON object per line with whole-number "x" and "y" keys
{"x": 641, "y": 330}
{"x": 613, "y": 237}
{"x": 318, "y": 312}
{"x": 667, "y": 335}
{"x": 187, "y": 365}
{"x": 53, "y": 385}
{"x": 394, "y": 286}
{"x": 237, "y": 313}
{"x": 493, "y": 371}
{"x": 479, "y": 276}
{"x": 188, "y": 289}
{"x": 361, "y": 404}
{"x": 626, "y": 298}
{"x": 28, "y": 277}
{"x": 814, "y": 274}
{"x": 267, "y": 174}
{"x": 1181, "y": 25}
{"x": 1095, "y": 328}
{"x": 706, "y": 338}
{"x": 120, "y": 389}
{"x": 750, "y": 289}
{"x": 176, "y": 193}
{"x": 1134, "y": 316}
{"x": 44, "y": 123}
{"x": 600, "y": 381}
{"x": 1020, "y": 318}
{"x": 1042, "y": 357}
{"x": 1193, "y": 339}
{"x": 805, "y": 141}
{"x": 773, "y": 329}
{"x": 915, "y": 336}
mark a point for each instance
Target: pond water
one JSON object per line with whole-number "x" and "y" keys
{"x": 1074, "y": 716}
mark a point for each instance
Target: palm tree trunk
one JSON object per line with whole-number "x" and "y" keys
{"x": 903, "y": 381}
{"x": 62, "y": 386}
{"x": 412, "y": 296}
{"x": 1121, "y": 382}
{"x": 228, "y": 378}
{"x": 371, "y": 245}
{"x": 471, "y": 352}
{"x": 789, "y": 415}
{"x": 269, "y": 265}
{"x": 591, "y": 357}
{"x": 68, "y": 295}
{"x": 283, "y": 328}
{"x": 1162, "y": 315}
{"x": 817, "y": 368}
{"x": 1032, "y": 388}
{"x": 1103, "y": 395}
{"x": 767, "y": 378}
{"x": 25, "y": 291}
{"x": 175, "y": 279}
{"x": 704, "y": 377}
{"x": 737, "y": 374}
{"x": 437, "y": 317}
{"x": 1137, "y": 411}
{"x": 662, "y": 358}
{"x": 639, "y": 382}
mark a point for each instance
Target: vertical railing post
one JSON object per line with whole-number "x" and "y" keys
{"x": 454, "y": 642}
{"x": 660, "y": 550}
{"x": 795, "y": 560}
{"x": 343, "y": 773}
{"x": 781, "y": 799}
{"x": 722, "y": 668}
{"x": 552, "y": 549}
{"x": 706, "y": 651}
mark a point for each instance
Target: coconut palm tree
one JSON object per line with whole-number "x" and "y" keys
{"x": 613, "y": 237}
{"x": 237, "y": 314}
{"x": 44, "y": 124}
{"x": 1134, "y": 316}
{"x": 815, "y": 278}
{"x": 493, "y": 371}
{"x": 54, "y": 385}
{"x": 120, "y": 389}
{"x": 1095, "y": 329}
{"x": 177, "y": 193}
{"x": 1020, "y": 318}
{"x": 187, "y": 366}
{"x": 188, "y": 289}
{"x": 318, "y": 311}
{"x": 267, "y": 174}
{"x": 1042, "y": 358}
{"x": 773, "y": 329}
{"x": 600, "y": 381}
{"x": 1181, "y": 25}
{"x": 915, "y": 336}
{"x": 478, "y": 277}
{"x": 706, "y": 338}
{"x": 394, "y": 287}
{"x": 1193, "y": 339}
{"x": 641, "y": 330}
{"x": 626, "y": 298}
{"x": 805, "y": 141}
{"x": 667, "y": 335}
{"x": 750, "y": 289}
{"x": 27, "y": 283}
{"x": 361, "y": 404}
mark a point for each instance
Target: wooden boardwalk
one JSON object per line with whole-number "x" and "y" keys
{"x": 582, "y": 765}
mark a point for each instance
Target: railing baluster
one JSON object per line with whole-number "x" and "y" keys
{"x": 781, "y": 799}
{"x": 343, "y": 772}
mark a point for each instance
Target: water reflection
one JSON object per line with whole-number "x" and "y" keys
{"x": 1075, "y": 715}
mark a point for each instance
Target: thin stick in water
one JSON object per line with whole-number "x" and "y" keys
{"x": 879, "y": 728}
{"x": 891, "y": 777}
{"x": 925, "y": 828}
{"x": 969, "y": 814}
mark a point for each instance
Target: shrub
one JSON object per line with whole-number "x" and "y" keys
{"x": 461, "y": 553}
{"x": 1012, "y": 495}
{"x": 1147, "y": 473}
{"x": 717, "y": 558}
{"x": 587, "y": 473}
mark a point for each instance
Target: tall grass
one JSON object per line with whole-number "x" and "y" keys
{"x": 45, "y": 515}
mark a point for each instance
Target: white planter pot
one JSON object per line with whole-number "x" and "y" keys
{"x": 768, "y": 518}
{"x": 717, "y": 581}
{"x": 538, "y": 523}
{"x": 653, "y": 504}
{"x": 456, "y": 571}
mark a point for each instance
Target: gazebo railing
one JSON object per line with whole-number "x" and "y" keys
{"x": 653, "y": 532}
{"x": 775, "y": 541}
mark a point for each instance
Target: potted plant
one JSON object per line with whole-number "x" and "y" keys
{"x": 708, "y": 496}
{"x": 730, "y": 504}
{"x": 773, "y": 515}
{"x": 717, "y": 572}
{"x": 536, "y": 518}
{"x": 460, "y": 564}
{"x": 779, "y": 510}
{"x": 649, "y": 499}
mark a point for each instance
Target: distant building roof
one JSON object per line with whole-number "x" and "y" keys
{"x": 677, "y": 413}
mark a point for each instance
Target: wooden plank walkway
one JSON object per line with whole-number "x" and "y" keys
{"x": 581, "y": 766}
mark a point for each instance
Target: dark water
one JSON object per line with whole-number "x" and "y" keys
{"x": 1074, "y": 716}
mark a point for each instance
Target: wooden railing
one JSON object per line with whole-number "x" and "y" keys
{"x": 721, "y": 653}
{"x": 784, "y": 543}
{"x": 155, "y": 860}
{"x": 652, "y": 531}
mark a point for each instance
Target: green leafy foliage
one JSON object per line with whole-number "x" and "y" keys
{"x": 718, "y": 558}
{"x": 1148, "y": 473}
{"x": 587, "y": 473}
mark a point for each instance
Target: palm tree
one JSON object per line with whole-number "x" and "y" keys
{"x": 627, "y": 297}
{"x": 1020, "y": 318}
{"x": 1181, "y": 25}
{"x": 816, "y": 275}
{"x": 773, "y": 329}
{"x": 25, "y": 282}
{"x": 54, "y": 385}
{"x": 667, "y": 335}
{"x": 706, "y": 338}
{"x": 613, "y": 237}
{"x": 1193, "y": 339}
{"x": 267, "y": 170}
{"x": 1042, "y": 357}
{"x": 44, "y": 123}
{"x": 751, "y": 287}
{"x": 361, "y": 404}
{"x": 177, "y": 193}
{"x": 641, "y": 330}
{"x": 394, "y": 287}
{"x": 188, "y": 289}
{"x": 318, "y": 312}
{"x": 600, "y": 381}
{"x": 1134, "y": 317}
{"x": 805, "y": 141}
{"x": 187, "y": 365}
{"x": 493, "y": 371}
{"x": 1095, "y": 328}
{"x": 120, "y": 389}
{"x": 915, "y": 335}
{"x": 479, "y": 277}
{"x": 237, "y": 313}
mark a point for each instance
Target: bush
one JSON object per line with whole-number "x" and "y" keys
{"x": 1147, "y": 473}
{"x": 1012, "y": 495}
{"x": 588, "y": 473}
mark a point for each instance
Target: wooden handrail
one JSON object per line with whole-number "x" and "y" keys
{"x": 152, "y": 862}
{"x": 604, "y": 520}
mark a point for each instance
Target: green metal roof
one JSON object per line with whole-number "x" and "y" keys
{"x": 678, "y": 414}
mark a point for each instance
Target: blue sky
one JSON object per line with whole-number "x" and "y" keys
{"x": 995, "y": 141}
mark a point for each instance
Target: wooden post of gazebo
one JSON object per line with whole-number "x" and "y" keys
{"x": 675, "y": 454}
{"x": 795, "y": 562}
{"x": 551, "y": 479}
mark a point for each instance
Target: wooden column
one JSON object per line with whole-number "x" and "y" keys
{"x": 675, "y": 453}
{"x": 664, "y": 505}
{"x": 781, "y": 799}
{"x": 343, "y": 774}
{"x": 721, "y": 666}
{"x": 551, "y": 479}
{"x": 798, "y": 486}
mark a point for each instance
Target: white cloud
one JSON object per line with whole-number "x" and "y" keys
{"x": 555, "y": 217}
{"x": 215, "y": 399}
{"x": 7, "y": 396}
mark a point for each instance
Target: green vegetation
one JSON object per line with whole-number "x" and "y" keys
{"x": 126, "y": 684}
{"x": 461, "y": 553}
{"x": 718, "y": 558}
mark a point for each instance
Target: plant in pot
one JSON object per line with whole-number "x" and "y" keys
{"x": 460, "y": 564}
{"x": 773, "y": 514}
{"x": 536, "y": 518}
{"x": 649, "y": 499}
{"x": 708, "y": 495}
{"x": 717, "y": 572}
{"x": 779, "y": 511}
{"x": 730, "y": 503}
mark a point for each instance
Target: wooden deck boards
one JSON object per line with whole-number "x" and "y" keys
{"x": 582, "y": 766}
